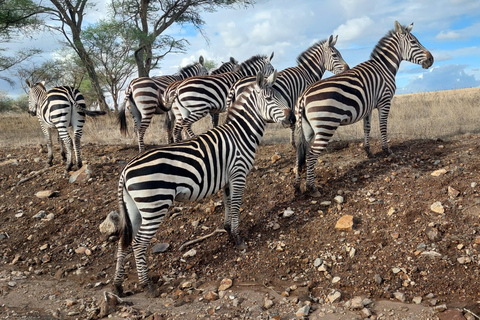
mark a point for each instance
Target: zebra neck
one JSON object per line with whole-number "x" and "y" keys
{"x": 387, "y": 54}
{"x": 312, "y": 70}
{"x": 243, "y": 115}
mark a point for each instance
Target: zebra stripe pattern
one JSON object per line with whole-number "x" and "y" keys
{"x": 351, "y": 96}
{"x": 198, "y": 96}
{"x": 192, "y": 170}
{"x": 291, "y": 82}
{"x": 144, "y": 95}
{"x": 170, "y": 94}
{"x": 60, "y": 108}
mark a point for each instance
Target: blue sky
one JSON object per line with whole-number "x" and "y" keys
{"x": 450, "y": 29}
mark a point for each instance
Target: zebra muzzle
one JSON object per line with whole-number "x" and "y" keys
{"x": 289, "y": 120}
{"x": 427, "y": 63}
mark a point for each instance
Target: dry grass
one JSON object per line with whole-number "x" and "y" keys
{"x": 440, "y": 114}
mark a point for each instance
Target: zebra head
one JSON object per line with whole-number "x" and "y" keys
{"x": 256, "y": 64}
{"x": 231, "y": 65}
{"x": 271, "y": 105}
{"x": 411, "y": 49}
{"x": 35, "y": 93}
{"x": 194, "y": 69}
{"x": 333, "y": 60}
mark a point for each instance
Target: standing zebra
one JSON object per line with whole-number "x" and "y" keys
{"x": 144, "y": 95}
{"x": 170, "y": 93}
{"x": 351, "y": 96}
{"x": 291, "y": 82}
{"x": 192, "y": 170}
{"x": 60, "y": 108}
{"x": 197, "y": 96}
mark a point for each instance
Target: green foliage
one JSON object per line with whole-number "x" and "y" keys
{"x": 18, "y": 16}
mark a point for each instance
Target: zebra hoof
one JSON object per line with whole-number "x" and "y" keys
{"x": 241, "y": 246}
{"x": 313, "y": 192}
{"x": 118, "y": 290}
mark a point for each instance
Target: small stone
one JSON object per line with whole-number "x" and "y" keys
{"x": 15, "y": 260}
{"x": 437, "y": 207}
{"x": 391, "y": 211}
{"x": 211, "y": 296}
{"x": 80, "y": 250}
{"x": 334, "y": 296}
{"x": 344, "y": 223}
{"x": 396, "y": 270}
{"x": 417, "y": 300}
{"x": 378, "y": 279}
{"x": 303, "y": 311}
{"x": 356, "y": 303}
{"x": 70, "y": 302}
{"x": 267, "y": 303}
{"x": 317, "y": 263}
{"x": 110, "y": 225}
{"x": 160, "y": 247}
{"x": 325, "y": 203}
{"x": 82, "y": 175}
{"x": 432, "y": 234}
{"x": 464, "y": 260}
{"x": 276, "y": 157}
{"x": 366, "y": 313}
{"x": 431, "y": 254}
{"x": 40, "y": 214}
{"x": 438, "y": 172}
{"x": 19, "y": 214}
{"x": 336, "y": 280}
{"x": 451, "y": 314}
{"x": 50, "y": 217}
{"x": 225, "y": 284}
{"x": 400, "y": 296}
{"x": 440, "y": 308}
{"x": 452, "y": 192}
{"x": 45, "y": 194}
{"x": 190, "y": 253}
{"x": 338, "y": 199}
{"x": 288, "y": 213}
{"x": 44, "y": 247}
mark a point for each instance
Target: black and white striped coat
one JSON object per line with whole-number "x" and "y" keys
{"x": 351, "y": 96}
{"x": 60, "y": 108}
{"x": 144, "y": 95}
{"x": 198, "y": 96}
{"x": 291, "y": 82}
{"x": 192, "y": 170}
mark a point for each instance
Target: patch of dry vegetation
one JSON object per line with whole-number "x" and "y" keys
{"x": 439, "y": 114}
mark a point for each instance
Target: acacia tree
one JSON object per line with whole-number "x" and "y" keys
{"x": 150, "y": 19}
{"x": 109, "y": 44}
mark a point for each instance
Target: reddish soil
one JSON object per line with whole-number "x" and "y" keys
{"x": 389, "y": 198}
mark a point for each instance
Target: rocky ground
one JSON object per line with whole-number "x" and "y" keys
{"x": 409, "y": 248}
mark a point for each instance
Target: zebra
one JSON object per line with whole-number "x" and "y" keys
{"x": 197, "y": 96}
{"x": 170, "y": 92}
{"x": 291, "y": 82}
{"x": 59, "y": 108}
{"x": 193, "y": 169}
{"x": 144, "y": 95}
{"x": 348, "y": 97}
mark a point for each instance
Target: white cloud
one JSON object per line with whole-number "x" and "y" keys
{"x": 353, "y": 29}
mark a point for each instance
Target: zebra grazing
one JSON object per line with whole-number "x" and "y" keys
{"x": 144, "y": 95}
{"x": 291, "y": 82}
{"x": 351, "y": 96}
{"x": 60, "y": 108}
{"x": 170, "y": 93}
{"x": 197, "y": 96}
{"x": 192, "y": 170}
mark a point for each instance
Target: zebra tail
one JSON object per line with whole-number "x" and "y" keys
{"x": 122, "y": 121}
{"x": 125, "y": 225}
{"x": 94, "y": 113}
{"x": 301, "y": 141}
{"x": 169, "y": 121}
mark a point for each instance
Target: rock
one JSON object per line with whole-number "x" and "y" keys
{"x": 44, "y": 247}
{"x": 400, "y": 296}
{"x": 45, "y": 194}
{"x": 317, "y": 263}
{"x": 464, "y": 260}
{"x": 338, "y": 199}
{"x": 432, "y": 234}
{"x": 160, "y": 247}
{"x": 345, "y": 223}
{"x": 437, "y": 207}
{"x": 356, "y": 303}
{"x": 9, "y": 161}
{"x": 391, "y": 211}
{"x": 276, "y": 157}
{"x": 288, "y": 213}
{"x": 452, "y": 192}
{"x": 40, "y": 214}
{"x": 80, "y": 250}
{"x": 225, "y": 284}
{"x": 366, "y": 313}
{"x": 431, "y": 254}
{"x": 417, "y": 300}
{"x": 211, "y": 296}
{"x": 110, "y": 225}
{"x": 108, "y": 304}
{"x": 336, "y": 280}
{"x": 441, "y": 308}
{"x": 438, "y": 172}
{"x": 267, "y": 303}
{"x": 334, "y": 296}
{"x": 303, "y": 311}
{"x": 396, "y": 270}
{"x": 378, "y": 279}
{"x": 190, "y": 253}
{"x": 82, "y": 175}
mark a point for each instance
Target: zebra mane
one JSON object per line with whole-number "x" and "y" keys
{"x": 386, "y": 39}
{"x": 187, "y": 68}
{"x": 41, "y": 85}
{"x": 313, "y": 48}
{"x": 250, "y": 61}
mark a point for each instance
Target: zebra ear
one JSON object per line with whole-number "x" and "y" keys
{"x": 232, "y": 60}
{"x": 410, "y": 27}
{"x": 28, "y": 83}
{"x": 332, "y": 41}
{"x": 272, "y": 78}
{"x": 271, "y": 57}
{"x": 200, "y": 60}
{"x": 260, "y": 83}
{"x": 398, "y": 27}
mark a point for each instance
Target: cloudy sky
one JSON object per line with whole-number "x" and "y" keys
{"x": 450, "y": 29}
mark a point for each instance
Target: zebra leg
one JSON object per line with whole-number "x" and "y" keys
{"x": 177, "y": 130}
{"x": 366, "y": 132}
{"x": 382, "y": 120}
{"x": 140, "y": 244}
{"x": 227, "y": 197}
{"x": 68, "y": 145}
{"x": 292, "y": 137}
{"x": 62, "y": 148}
{"x": 232, "y": 210}
{"x": 76, "y": 147}
{"x": 141, "y": 131}
{"x": 215, "y": 119}
{"x": 48, "y": 136}
{"x": 119, "y": 271}
{"x": 190, "y": 120}
{"x": 317, "y": 147}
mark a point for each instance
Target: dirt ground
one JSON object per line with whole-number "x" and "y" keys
{"x": 59, "y": 266}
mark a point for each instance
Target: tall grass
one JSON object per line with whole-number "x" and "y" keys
{"x": 440, "y": 114}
